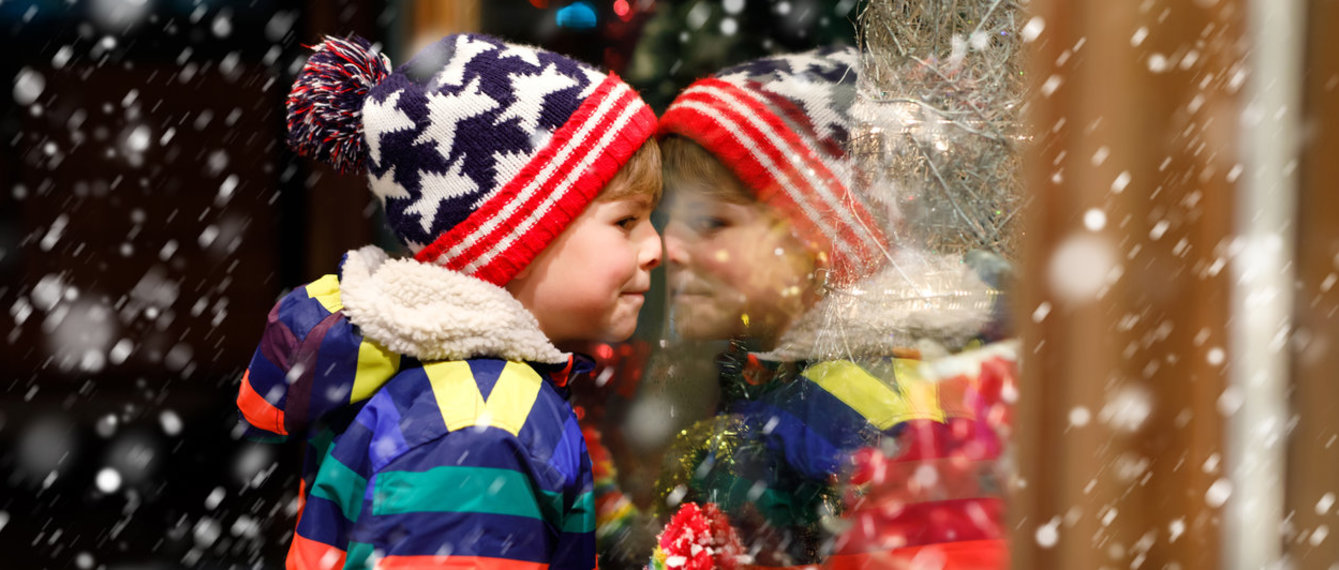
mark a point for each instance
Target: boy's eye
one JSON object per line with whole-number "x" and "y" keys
{"x": 628, "y": 222}
{"x": 708, "y": 224}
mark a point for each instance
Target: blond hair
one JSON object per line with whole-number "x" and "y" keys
{"x": 640, "y": 176}
{"x": 689, "y": 165}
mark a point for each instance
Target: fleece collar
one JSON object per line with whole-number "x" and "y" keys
{"x": 932, "y": 302}
{"x": 432, "y": 313}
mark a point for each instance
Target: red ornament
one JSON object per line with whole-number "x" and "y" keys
{"x": 700, "y": 539}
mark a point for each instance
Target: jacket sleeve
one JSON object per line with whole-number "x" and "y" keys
{"x": 310, "y": 361}
{"x": 262, "y": 398}
{"x": 473, "y": 498}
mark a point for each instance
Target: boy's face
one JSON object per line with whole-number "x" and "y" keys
{"x": 735, "y": 270}
{"x": 590, "y": 283}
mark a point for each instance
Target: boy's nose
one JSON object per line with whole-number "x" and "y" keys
{"x": 675, "y": 251}
{"x": 651, "y": 249}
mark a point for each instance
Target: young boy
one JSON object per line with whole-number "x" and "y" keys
{"x": 431, "y": 390}
{"x": 770, "y": 244}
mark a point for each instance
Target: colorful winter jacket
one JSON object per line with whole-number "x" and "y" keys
{"x": 436, "y": 418}
{"x": 819, "y": 441}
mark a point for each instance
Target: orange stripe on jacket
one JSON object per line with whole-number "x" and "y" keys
{"x": 308, "y": 554}
{"x": 256, "y": 410}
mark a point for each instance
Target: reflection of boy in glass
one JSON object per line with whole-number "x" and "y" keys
{"x": 768, "y": 246}
{"x": 739, "y": 269}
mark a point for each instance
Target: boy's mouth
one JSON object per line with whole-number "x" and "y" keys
{"x": 689, "y": 288}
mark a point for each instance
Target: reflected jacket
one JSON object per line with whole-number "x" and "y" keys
{"x": 857, "y": 451}
{"x": 437, "y": 424}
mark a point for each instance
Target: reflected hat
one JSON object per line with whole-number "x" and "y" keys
{"x": 480, "y": 151}
{"x": 781, "y": 125}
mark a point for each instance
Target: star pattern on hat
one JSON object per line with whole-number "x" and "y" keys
{"x": 593, "y": 81}
{"x": 811, "y": 62}
{"x": 507, "y": 163}
{"x": 527, "y": 55}
{"x": 454, "y": 183}
{"x": 816, "y": 98}
{"x": 447, "y": 110}
{"x": 467, "y": 48}
{"x": 381, "y": 118}
{"x": 386, "y": 188}
{"x": 847, "y": 57}
{"x": 833, "y": 65}
{"x": 537, "y": 88}
{"x": 754, "y": 69}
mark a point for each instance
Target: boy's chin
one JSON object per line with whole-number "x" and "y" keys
{"x": 617, "y": 333}
{"x": 585, "y": 345}
{"x": 595, "y": 329}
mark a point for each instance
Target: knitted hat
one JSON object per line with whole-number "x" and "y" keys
{"x": 781, "y": 124}
{"x": 480, "y": 151}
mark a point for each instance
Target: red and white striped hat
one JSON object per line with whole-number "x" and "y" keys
{"x": 781, "y": 124}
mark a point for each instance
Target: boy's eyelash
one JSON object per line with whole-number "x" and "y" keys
{"x": 709, "y": 223}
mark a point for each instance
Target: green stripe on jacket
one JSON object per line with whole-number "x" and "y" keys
{"x": 480, "y": 490}
{"x": 336, "y": 482}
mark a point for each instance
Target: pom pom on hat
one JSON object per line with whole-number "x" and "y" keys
{"x": 325, "y": 107}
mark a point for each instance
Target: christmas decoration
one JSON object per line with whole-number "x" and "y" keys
{"x": 778, "y": 501}
{"x": 715, "y": 439}
{"x": 698, "y": 538}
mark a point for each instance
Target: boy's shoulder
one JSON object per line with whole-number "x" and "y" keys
{"x": 304, "y": 307}
{"x": 336, "y": 342}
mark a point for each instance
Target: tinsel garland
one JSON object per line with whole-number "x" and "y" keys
{"x": 941, "y": 88}
{"x": 715, "y": 439}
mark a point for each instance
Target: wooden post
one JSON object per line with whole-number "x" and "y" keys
{"x": 1124, "y": 293}
{"x": 430, "y": 20}
{"x": 1312, "y": 501}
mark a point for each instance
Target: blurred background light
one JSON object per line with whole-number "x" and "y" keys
{"x": 577, "y": 16}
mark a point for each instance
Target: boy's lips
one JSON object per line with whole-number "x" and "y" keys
{"x": 690, "y": 289}
{"x": 638, "y": 289}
